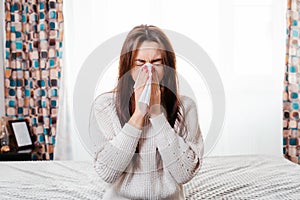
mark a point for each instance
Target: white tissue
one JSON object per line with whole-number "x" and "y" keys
{"x": 144, "y": 99}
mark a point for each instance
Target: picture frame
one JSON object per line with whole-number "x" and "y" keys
{"x": 21, "y": 134}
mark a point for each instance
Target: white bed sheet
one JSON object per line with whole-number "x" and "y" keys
{"x": 229, "y": 177}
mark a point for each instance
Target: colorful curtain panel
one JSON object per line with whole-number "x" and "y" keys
{"x": 291, "y": 99}
{"x": 33, "y": 63}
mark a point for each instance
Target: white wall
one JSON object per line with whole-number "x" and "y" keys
{"x": 244, "y": 38}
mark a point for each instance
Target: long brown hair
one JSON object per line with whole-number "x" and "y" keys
{"x": 125, "y": 102}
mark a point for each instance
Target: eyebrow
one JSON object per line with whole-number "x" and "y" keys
{"x": 155, "y": 60}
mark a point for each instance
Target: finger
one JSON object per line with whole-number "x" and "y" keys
{"x": 155, "y": 76}
{"x": 155, "y": 87}
{"x": 155, "y": 95}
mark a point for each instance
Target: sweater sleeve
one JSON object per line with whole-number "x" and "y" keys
{"x": 182, "y": 157}
{"x": 114, "y": 146}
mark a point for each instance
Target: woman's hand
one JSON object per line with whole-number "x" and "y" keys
{"x": 140, "y": 84}
{"x": 137, "y": 118}
{"x": 155, "y": 99}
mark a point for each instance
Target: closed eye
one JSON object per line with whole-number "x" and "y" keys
{"x": 157, "y": 61}
{"x": 139, "y": 62}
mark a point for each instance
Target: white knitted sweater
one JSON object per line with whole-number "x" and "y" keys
{"x": 181, "y": 158}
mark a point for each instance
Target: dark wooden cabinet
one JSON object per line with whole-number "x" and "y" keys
{"x": 15, "y": 156}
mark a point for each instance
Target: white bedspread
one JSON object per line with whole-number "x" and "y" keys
{"x": 230, "y": 177}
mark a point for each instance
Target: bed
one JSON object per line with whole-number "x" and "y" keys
{"x": 228, "y": 177}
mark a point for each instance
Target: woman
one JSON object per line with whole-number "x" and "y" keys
{"x": 146, "y": 155}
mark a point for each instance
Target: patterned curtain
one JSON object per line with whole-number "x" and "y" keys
{"x": 33, "y": 63}
{"x": 291, "y": 99}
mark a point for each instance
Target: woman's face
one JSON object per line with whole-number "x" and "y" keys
{"x": 148, "y": 52}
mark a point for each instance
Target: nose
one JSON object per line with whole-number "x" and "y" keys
{"x": 149, "y": 65}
